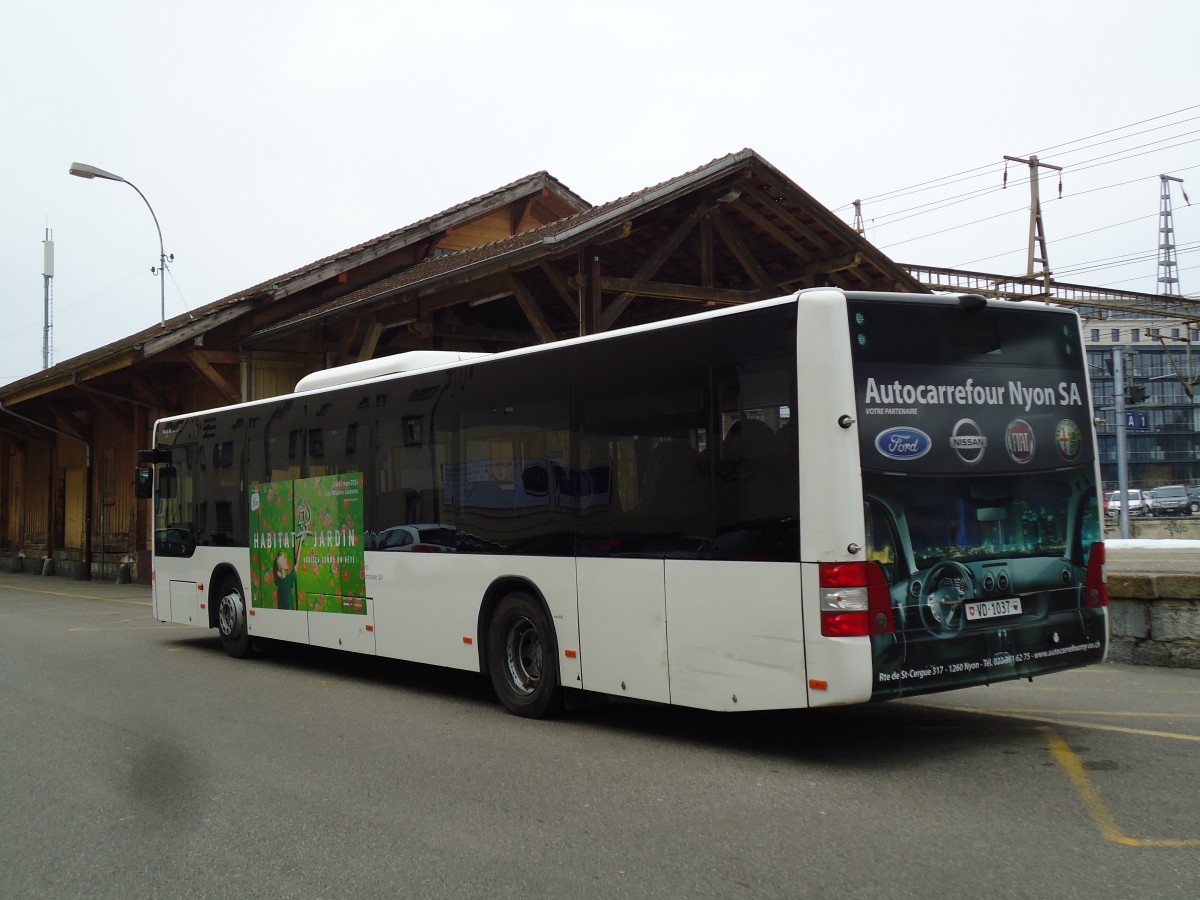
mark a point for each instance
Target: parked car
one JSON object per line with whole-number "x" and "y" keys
{"x": 1137, "y": 506}
{"x": 1194, "y": 497}
{"x": 1148, "y": 502}
{"x": 1171, "y": 500}
{"x": 417, "y": 539}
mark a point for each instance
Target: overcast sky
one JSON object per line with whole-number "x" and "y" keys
{"x": 267, "y": 135}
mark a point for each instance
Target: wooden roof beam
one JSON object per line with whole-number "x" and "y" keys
{"x": 655, "y": 261}
{"x": 123, "y": 419}
{"x": 81, "y": 429}
{"x": 721, "y": 296}
{"x": 742, "y": 252}
{"x": 198, "y": 361}
{"x": 151, "y": 394}
{"x": 559, "y": 283}
{"x": 529, "y": 306}
{"x": 792, "y": 219}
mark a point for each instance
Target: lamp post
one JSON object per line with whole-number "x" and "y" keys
{"x": 82, "y": 170}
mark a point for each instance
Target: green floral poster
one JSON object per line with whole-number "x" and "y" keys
{"x": 272, "y": 546}
{"x": 330, "y": 564}
{"x": 306, "y": 549}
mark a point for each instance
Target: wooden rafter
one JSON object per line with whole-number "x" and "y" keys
{"x": 198, "y": 361}
{"x": 794, "y": 221}
{"x": 370, "y": 340}
{"x": 151, "y": 394}
{"x": 81, "y": 429}
{"x": 742, "y": 253}
{"x": 674, "y": 291}
{"x": 121, "y": 417}
{"x": 349, "y": 328}
{"x": 529, "y": 306}
{"x": 655, "y": 261}
{"x": 560, "y": 286}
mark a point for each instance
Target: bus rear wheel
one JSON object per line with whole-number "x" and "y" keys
{"x": 231, "y": 618}
{"x": 522, "y": 659}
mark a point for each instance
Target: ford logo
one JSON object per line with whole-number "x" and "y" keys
{"x": 903, "y": 443}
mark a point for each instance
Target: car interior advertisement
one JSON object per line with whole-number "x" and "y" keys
{"x": 980, "y": 496}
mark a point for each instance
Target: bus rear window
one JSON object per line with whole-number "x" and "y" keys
{"x": 940, "y": 333}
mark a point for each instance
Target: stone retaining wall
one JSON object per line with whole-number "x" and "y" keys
{"x": 1155, "y": 620}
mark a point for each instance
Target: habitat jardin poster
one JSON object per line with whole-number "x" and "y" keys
{"x": 306, "y": 550}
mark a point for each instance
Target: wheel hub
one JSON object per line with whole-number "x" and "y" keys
{"x": 230, "y": 614}
{"x": 523, "y": 657}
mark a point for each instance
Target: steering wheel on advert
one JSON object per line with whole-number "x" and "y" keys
{"x": 944, "y": 590}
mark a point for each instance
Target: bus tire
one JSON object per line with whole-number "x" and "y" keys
{"x": 523, "y": 659}
{"x": 232, "y": 623}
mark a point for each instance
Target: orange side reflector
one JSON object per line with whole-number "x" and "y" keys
{"x": 200, "y": 586}
{"x": 370, "y": 628}
{"x": 570, "y": 654}
{"x": 818, "y": 685}
{"x": 202, "y": 606}
{"x": 251, "y": 612}
{"x": 468, "y": 640}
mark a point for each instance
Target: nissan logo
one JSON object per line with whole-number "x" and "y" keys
{"x": 967, "y": 441}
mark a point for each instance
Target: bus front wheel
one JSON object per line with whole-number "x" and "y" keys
{"x": 522, "y": 659}
{"x": 231, "y": 619}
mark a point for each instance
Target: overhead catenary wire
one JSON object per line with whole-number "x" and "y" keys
{"x": 980, "y": 171}
{"x": 886, "y": 219}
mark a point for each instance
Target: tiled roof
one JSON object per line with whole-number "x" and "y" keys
{"x": 220, "y": 311}
{"x": 432, "y": 269}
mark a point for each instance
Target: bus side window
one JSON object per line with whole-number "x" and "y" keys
{"x": 167, "y": 478}
{"x": 674, "y": 485}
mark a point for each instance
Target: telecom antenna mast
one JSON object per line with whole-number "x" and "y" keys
{"x": 48, "y": 308}
{"x": 1168, "y": 268}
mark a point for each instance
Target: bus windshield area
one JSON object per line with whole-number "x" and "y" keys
{"x": 915, "y": 522}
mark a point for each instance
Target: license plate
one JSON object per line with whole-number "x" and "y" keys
{"x": 992, "y": 609}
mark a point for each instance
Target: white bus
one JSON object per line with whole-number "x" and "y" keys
{"x": 827, "y": 498}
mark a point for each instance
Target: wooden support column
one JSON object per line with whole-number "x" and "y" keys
{"x": 589, "y": 303}
{"x": 706, "y": 252}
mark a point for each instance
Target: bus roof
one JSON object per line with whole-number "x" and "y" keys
{"x": 433, "y": 360}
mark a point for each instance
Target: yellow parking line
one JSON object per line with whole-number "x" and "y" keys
{"x": 1095, "y": 804}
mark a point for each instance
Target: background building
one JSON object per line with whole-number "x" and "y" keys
{"x": 1162, "y": 371}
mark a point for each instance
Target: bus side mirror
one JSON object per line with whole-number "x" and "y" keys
{"x": 143, "y": 482}
{"x": 166, "y": 482}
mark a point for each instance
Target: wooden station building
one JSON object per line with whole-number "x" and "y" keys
{"x": 528, "y": 263}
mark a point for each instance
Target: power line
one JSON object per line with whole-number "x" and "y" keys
{"x": 984, "y": 169}
{"x": 943, "y": 203}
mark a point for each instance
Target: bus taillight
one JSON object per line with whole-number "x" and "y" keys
{"x": 855, "y": 600}
{"x": 1095, "y": 589}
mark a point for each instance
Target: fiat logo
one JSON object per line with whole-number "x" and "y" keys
{"x": 1018, "y": 439}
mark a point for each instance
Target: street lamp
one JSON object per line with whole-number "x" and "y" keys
{"x": 82, "y": 170}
